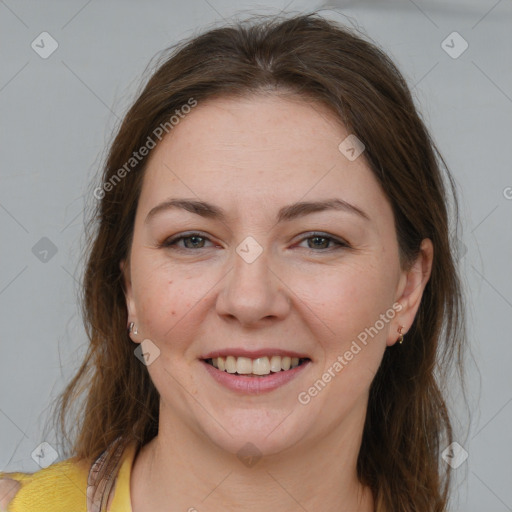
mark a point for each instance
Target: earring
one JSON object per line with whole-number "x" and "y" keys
{"x": 401, "y": 338}
{"x": 132, "y": 329}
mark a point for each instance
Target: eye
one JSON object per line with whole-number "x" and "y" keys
{"x": 322, "y": 241}
{"x": 191, "y": 241}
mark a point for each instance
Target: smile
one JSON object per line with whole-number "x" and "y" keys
{"x": 254, "y": 376}
{"x": 258, "y": 367}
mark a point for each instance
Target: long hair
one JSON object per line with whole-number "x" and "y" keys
{"x": 407, "y": 422}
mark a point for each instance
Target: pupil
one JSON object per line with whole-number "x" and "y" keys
{"x": 193, "y": 239}
{"x": 316, "y": 238}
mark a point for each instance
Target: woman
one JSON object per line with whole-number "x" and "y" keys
{"x": 270, "y": 290}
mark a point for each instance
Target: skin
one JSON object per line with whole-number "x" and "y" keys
{"x": 251, "y": 157}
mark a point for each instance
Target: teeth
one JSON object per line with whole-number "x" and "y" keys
{"x": 275, "y": 364}
{"x": 230, "y": 364}
{"x": 243, "y": 365}
{"x": 260, "y": 366}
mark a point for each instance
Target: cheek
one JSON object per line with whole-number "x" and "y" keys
{"x": 166, "y": 297}
{"x": 350, "y": 298}
{"x": 353, "y": 306}
{"x": 160, "y": 299}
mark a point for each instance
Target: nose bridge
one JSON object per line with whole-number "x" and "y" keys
{"x": 251, "y": 265}
{"x": 252, "y": 291}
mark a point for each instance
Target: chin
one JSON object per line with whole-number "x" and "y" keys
{"x": 261, "y": 432}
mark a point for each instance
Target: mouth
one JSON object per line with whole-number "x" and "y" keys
{"x": 256, "y": 367}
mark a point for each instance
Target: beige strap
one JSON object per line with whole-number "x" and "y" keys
{"x": 8, "y": 489}
{"x": 100, "y": 486}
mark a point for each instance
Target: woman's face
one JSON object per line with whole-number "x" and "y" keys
{"x": 244, "y": 267}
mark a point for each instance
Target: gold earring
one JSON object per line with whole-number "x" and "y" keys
{"x": 401, "y": 338}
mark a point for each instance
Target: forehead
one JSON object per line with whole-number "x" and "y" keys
{"x": 243, "y": 130}
{"x": 258, "y": 150}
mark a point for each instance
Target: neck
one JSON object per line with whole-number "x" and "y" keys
{"x": 185, "y": 470}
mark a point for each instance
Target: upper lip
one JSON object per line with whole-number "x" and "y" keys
{"x": 253, "y": 354}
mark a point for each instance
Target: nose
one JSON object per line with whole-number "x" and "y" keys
{"x": 253, "y": 293}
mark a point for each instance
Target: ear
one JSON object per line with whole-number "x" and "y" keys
{"x": 410, "y": 289}
{"x": 124, "y": 265}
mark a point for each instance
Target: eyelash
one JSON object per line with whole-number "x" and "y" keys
{"x": 171, "y": 242}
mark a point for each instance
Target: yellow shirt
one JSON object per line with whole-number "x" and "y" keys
{"x": 62, "y": 487}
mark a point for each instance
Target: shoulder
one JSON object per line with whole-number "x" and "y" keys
{"x": 60, "y": 487}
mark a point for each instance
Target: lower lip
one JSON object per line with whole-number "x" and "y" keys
{"x": 254, "y": 385}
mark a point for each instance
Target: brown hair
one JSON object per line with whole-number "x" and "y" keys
{"x": 407, "y": 423}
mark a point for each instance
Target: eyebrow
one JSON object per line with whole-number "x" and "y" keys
{"x": 287, "y": 213}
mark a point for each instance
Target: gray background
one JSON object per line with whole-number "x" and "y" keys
{"x": 57, "y": 116}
